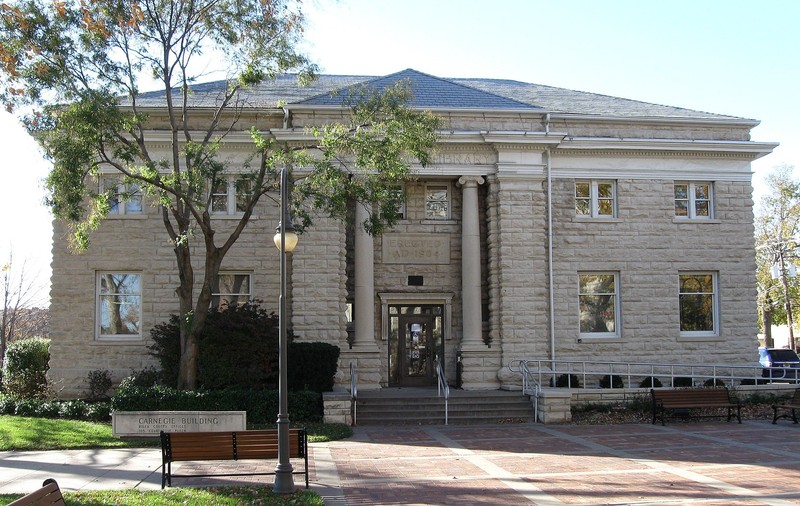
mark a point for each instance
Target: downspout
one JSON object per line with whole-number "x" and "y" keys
{"x": 286, "y": 117}
{"x": 551, "y": 289}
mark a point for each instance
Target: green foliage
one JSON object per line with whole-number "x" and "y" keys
{"x": 567, "y": 381}
{"x": 312, "y": 366}
{"x": 650, "y": 382}
{"x": 611, "y": 381}
{"x": 239, "y": 349}
{"x": 99, "y": 384}
{"x": 682, "y": 382}
{"x": 147, "y": 377}
{"x": 44, "y": 408}
{"x": 25, "y": 367}
{"x": 714, "y": 382}
{"x": 261, "y": 405}
{"x": 74, "y": 410}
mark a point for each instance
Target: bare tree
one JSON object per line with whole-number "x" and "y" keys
{"x": 21, "y": 292}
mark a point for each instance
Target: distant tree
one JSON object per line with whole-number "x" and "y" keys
{"x": 20, "y": 293}
{"x": 777, "y": 230}
{"x": 74, "y": 71}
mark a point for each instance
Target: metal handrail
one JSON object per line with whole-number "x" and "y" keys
{"x": 353, "y": 392}
{"x": 527, "y": 381}
{"x": 443, "y": 386}
{"x": 533, "y": 371}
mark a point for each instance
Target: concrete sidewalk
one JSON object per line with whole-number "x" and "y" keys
{"x": 755, "y": 463}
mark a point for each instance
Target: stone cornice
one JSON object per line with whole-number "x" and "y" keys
{"x": 589, "y": 146}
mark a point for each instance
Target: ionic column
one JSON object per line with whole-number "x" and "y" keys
{"x": 364, "y": 304}
{"x": 470, "y": 262}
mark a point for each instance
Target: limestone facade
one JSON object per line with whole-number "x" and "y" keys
{"x": 516, "y": 265}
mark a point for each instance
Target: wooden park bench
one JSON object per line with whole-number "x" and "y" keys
{"x": 790, "y": 406}
{"x": 692, "y": 398}
{"x": 48, "y": 495}
{"x": 228, "y": 445}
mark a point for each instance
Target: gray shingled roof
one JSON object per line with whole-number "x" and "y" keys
{"x": 432, "y": 92}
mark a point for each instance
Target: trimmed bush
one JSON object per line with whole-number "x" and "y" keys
{"x": 74, "y": 410}
{"x": 711, "y": 382}
{"x": 261, "y": 405}
{"x": 8, "y": 404}
{"x": 650, "y": 382}
{"x": 611, "y": 381}
{"x": 25, "y": 367}
{"x": 682, "y": 382}
{"x": 99, "y": 412}
{"x": 752, "y": 381}
{"x": 147, "y": 377}
{"x": 312, "y": 366}
{"x": 566, "y": 381}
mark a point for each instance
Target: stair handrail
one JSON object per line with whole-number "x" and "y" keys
{"x": 443, "y": 386}
{"x": 353, "y": 392}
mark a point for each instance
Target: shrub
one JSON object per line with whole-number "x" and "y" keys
{"x": 650, "y": 382}
{"x": 566, "y": 381}
{"x": 8, "y": 404}
{"x": 74, "y": 410}
{"x": 99, "y": 412}
{"x": 682, "y": 382}
{"x": 238, "y": 348}
{"x": 99, "y": 384}
{"x": 752, "y": 381}
{"x": 261, "y": 405}
{"x": 320, "y": 377}
{"x": 25, "y": 367}
{"x": 147, "y": 377}
{"x": 611, "y": 381}
{"x": 714, "y": 382}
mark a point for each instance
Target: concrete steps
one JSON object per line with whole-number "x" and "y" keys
{"x": 421, "y": 406}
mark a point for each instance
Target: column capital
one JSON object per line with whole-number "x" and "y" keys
{"x": 470, "y": 180}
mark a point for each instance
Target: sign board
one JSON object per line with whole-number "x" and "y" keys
{"x": 151, "y": 423}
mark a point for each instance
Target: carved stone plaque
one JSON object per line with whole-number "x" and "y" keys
{"x": 423, "y": 249}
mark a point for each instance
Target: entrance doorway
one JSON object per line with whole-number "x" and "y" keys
{"x": 415, "y": 342}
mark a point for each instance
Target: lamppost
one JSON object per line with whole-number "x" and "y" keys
{"x": 285, "y": 240}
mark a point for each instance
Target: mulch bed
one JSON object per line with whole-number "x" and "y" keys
{"x": 610, "y": 415}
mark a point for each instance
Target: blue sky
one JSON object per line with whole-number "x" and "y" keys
{"x": 731, "y": 57}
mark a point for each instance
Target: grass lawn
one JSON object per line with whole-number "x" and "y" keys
{"x": 26, "y": 433}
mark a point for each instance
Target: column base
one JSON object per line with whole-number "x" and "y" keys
{"x": 479, "y": 367}
{"x": 367, "y": 360}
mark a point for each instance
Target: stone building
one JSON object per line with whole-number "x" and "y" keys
{"x": 554, "y": 224}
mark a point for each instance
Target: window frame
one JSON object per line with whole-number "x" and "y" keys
{"x": 715, "y": 309}
{"x": 692, "y": 200}
{"x": 122, "y": 207}
{"x": 594, "y": 198}
{"x": 218, "y": 294}
{"x": 617, "y": 332}
{"x": 99, "y": 305}
{"x": 231, "y": 193}
{"x": 448, "y": 201}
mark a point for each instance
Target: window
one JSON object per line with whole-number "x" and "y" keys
{"x": 595, "y": 199}
{"x": 437, "y": 200}
{"x": 599, "y": 305}
{"x": 698, "y": 304}
{"x": 231, "y": 289}
{"x": 123, "y": 198}
{"x": 231, "y": 194}
{"x": 119, "y": 305}
{"x": 399, "y": 195}
{"x": 694, "y": 200}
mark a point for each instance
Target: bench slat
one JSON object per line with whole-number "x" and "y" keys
{"x": 48, "y": 495}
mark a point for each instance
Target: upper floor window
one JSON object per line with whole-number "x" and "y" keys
{"x": 694, "y": 200}
{"x": 437, "y": 202}
{"x": 400, "y": 195}
{"x": 231, "y": 289}
{"x": 599, "y": 304}
{"x": 595, "y": 199}
{"x": 119, "y": 305}
{"x": 231, "y": 194}
{"x": 698, "y": 304}
{"x": 123, "y": 198}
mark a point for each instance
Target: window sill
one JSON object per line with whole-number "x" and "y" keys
{"x": 598, "y": 340}
{"x": 589, "y": 219}
{"x": 120, "y": 341}
{"x": 685, "y": 339}
{"x": 138, "y": 216}
{"x": 696, "y": 221}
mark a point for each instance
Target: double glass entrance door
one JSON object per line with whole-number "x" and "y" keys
{"x": 415, "y": 341}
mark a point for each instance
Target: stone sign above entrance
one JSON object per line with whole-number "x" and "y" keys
{"x": 416, "y": 249}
